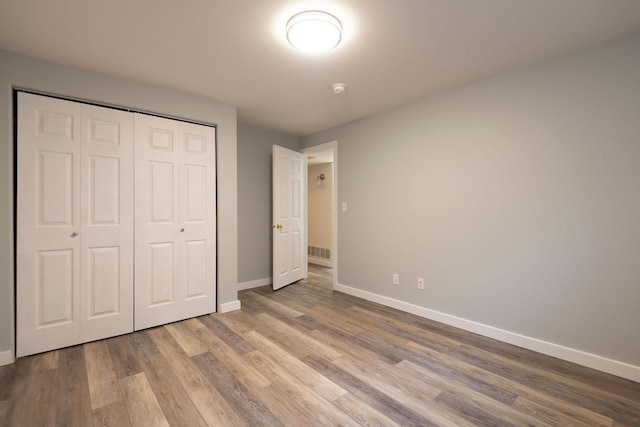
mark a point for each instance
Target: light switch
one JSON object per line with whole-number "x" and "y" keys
{"x": 344, "y": 206}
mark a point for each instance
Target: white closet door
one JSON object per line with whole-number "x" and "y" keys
{"x": 74, "y": 283}
{"x": 175, "y": 221}
{"x": 48, "y": 223}
{"x": 107, "y": 222}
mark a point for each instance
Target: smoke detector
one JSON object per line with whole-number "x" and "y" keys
{"x": 338, "y": 88}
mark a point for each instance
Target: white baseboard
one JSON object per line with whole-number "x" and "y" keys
{"x": 580, "y": 357}
{"x": 6, "y": 358}
{"x": 254, "y": 284}
{"x": 229, "y": 306}
{"x": 321, "y": 261}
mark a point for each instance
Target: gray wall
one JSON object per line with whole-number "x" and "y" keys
{"x": 24, "y": 72}
{"x": 254, "y": 199}
{"x": 517, "y": 197}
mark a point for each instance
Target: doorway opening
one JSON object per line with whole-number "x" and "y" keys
{"x": 322, "y": 232}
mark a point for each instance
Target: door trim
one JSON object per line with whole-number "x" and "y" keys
{"x": 333, "y": 146}
{"x": 17, "y": 89}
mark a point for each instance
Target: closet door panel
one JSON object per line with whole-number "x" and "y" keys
{"x": 75, "y": 223}
{"x": 104, "y": 282}
{"x": 162, "y": 207}
{"x": 195, "y": 188}
{"x": 198, "y": 216}
{"x": 54, "y": 283}
{"x": 175, "y": 220}
{"x": 54, "y": 188}
{"x": 195, "y": 271}
{"x": 195, "y": 241}
{"x": 48, "y": 223}
{"x": 107, "y": 222}
{"x": 161, "y": 280}
{"x": 157, "y": 229}
{"x": 104, "y": 190}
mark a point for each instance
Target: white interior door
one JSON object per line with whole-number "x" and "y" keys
{"x": 175, "y": 240}
{"x": 289, "y": 216}
{"x": 74, "y": 223}
{"x": 106, "y": 237}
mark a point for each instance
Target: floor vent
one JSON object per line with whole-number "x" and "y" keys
{"x": 319, "y": 252}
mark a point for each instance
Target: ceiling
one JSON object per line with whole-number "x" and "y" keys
{"x": 393, "y": 51}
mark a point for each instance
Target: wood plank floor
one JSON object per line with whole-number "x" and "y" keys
{"x": 308, "y": 356}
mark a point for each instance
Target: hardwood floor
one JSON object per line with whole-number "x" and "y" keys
{"x": 308, "y": 356}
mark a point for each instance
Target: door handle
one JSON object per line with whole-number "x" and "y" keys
{"x": 182, "y": 230}
{"x": 74, "y": 234}
{"x": 278, "y": 226}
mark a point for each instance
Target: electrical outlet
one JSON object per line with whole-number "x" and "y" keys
{"x": 421, "y": 283}
{"x": 395, "y": 279}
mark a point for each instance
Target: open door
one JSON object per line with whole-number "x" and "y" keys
{"x": 289, "y": 216}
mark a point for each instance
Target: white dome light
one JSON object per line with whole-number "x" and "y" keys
{"x": 314, "y": 31}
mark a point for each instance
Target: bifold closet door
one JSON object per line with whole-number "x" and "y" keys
{"x": 74, "y": 223}
{"x": 175, "y": 228}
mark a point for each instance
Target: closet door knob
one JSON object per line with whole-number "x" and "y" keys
{"x": 182, "y": 230}
{"x": 74, "y": 234}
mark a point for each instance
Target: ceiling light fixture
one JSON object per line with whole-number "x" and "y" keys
{"x": 314, "y": 31}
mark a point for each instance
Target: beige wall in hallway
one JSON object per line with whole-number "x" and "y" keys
{"x": 321, "y": 207}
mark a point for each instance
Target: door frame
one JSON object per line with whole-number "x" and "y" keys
{"x": 333, "y": 146}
